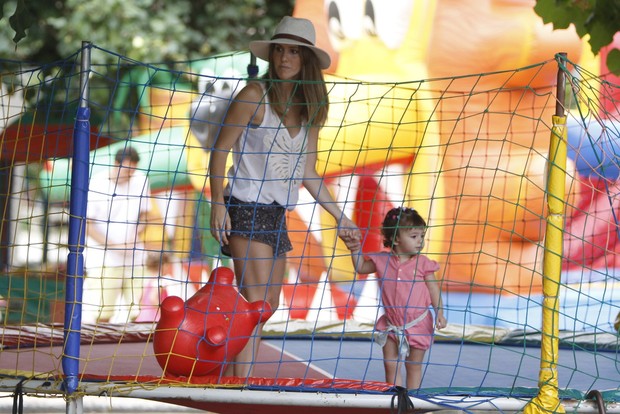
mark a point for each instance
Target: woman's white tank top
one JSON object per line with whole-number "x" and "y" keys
{"x": 268, "y": 164}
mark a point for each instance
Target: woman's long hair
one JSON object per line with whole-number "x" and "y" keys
{"x": 309, "y": 90}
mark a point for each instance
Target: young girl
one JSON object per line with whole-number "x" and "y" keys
{"x": 408, "y": 287}
{"x": 272, "y": 128}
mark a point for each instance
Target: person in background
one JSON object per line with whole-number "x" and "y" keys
{"x": 166, "y": 276}
{"x": 408, "y": 289}
{"x": 118, "y": 205}
{"x": 272, "y": 127}
{"x": 158, "y": 267}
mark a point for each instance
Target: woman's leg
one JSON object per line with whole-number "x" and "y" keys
{"x": 391, "y": 363}
{"x": 259, "y": 277}
{"x": 414, "y": 368}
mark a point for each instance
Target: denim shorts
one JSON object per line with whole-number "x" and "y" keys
{"x": 264, "y": 223}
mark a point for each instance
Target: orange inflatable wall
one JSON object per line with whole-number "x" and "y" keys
{"x": 492, "y": 189}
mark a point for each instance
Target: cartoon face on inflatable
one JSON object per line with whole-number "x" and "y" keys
{"x": 200, "y": 336}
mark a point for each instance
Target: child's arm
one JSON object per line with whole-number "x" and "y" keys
{"x": 360, "y": 264}
{"x": 435, "y": 291}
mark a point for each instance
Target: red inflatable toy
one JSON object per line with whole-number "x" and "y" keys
{"x": 200, "y": 336}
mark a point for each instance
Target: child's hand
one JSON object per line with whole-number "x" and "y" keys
{"x": 440, "y": 322}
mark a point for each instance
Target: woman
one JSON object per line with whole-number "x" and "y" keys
{"x": 272, "y": 126}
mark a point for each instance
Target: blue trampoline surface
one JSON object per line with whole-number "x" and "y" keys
{"x": 456, "y": 365}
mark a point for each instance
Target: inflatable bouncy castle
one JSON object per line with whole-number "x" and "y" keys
{"x": 475, "y": 151}
{"x": 426, "y": 110}
{"x": 489, "y": 198}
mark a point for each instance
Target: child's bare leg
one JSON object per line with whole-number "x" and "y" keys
{"x": 414, "y": 368}
{"x": 391, "y": 363}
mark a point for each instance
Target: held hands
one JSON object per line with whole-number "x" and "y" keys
{"x": 350, "y": 234}
{"x": 220, "y": 223}
{"x": 353, "y": 244}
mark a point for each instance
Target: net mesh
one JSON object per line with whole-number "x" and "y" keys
{"x": 469, "y": 156}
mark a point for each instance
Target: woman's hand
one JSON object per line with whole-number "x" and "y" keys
{"x": 220, "y": 223}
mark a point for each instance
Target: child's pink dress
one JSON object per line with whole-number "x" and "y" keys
{"x": 406, "y": 300}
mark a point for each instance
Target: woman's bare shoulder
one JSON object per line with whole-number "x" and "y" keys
{"x": 252, "y": 92}
{"x": 248, "y": 107}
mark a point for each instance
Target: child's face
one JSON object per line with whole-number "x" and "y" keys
{"x": 410, "y": 241}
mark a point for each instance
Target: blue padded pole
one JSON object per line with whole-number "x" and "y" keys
{"x": 77, "y": 231}
{"x": 252, "y": 67}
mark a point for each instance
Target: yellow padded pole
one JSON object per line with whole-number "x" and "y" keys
{"x": 547, "y": 400}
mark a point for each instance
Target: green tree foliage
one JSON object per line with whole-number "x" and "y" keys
{"x": 144, "y": 30}
{"x": 600, "y": 19}
{"x": 160, "y": 30}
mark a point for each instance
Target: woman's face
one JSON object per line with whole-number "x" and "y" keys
{"x": 287, "y": 61}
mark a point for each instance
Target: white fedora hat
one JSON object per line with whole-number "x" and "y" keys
{"x": 292, "y": 31}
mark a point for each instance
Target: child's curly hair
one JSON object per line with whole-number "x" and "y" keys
{"x": 397, "y": 218}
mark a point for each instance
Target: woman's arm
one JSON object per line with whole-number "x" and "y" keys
{"x": 347, "y": 230}
{"x": 244, "y": 109}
